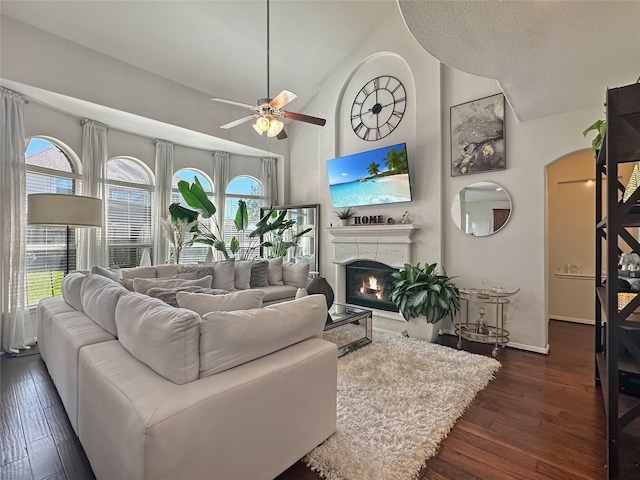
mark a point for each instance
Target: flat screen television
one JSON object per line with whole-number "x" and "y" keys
{"x": 373, "y": 177}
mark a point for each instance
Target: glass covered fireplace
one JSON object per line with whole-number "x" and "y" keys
{"x": 369, "y": 284}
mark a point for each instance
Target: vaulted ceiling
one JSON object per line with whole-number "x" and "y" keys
{"x": 548, "y": 56}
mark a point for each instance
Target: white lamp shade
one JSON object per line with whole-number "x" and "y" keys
{"x": 64, "y": 210}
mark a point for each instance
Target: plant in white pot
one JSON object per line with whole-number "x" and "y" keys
{"x": 344, "y": 216}
{"x": 424, "y": 297}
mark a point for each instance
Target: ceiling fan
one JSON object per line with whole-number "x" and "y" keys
{"x": 268, "y": 111}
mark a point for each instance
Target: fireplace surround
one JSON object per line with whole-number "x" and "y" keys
{"x": 385, "y": 244}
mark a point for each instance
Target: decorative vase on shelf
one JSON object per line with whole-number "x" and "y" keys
{"x": 344, "y": 222}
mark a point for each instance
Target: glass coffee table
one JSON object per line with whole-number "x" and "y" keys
{"x": 351, "y": 327}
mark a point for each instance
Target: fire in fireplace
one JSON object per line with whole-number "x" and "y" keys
{"x": 369, "y": 284}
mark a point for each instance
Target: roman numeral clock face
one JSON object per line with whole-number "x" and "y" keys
{"x": 378, "y": 108}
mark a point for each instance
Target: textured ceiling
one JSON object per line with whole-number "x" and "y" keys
{"x": 549, "y": 56}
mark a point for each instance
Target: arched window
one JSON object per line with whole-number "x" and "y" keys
{"x": 51, "y": 167}
{"x": 241, "y": 188}
{"x": 129, "y": 201}
{"x": 197, "y": 252}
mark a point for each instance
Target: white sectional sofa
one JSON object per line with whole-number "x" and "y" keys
{"x": 158, "y": 392}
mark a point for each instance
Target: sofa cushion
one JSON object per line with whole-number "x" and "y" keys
{"x": 275, "y": 271}
{"x": 166, "y": 270}
{"x": 202, "y": 303}
{"x": 278, "y": 292}
{"x": 162, "y": 337}
{"x": 142, "y": 285}
{"x": 99, "y": 298}
{"x": 295, "y": 274}
{"x": 168, "y": 295}
{"x": 228, "y": 339}
{"x": 114, "y": 273}
{"x": 138, "y": 272}
{"x": 224, "y": 274}
{"x": 242, "y": 274}
{"x": 259, "y": 273}
{"x": 70, "y": 289}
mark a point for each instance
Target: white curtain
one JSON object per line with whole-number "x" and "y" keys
{"x": 269, "y": 182}
{"x": 220, "y": 182}
{"x": 16, "y": 329}
{"x": 92, "y": 242}
{"x": 162, "y": 199}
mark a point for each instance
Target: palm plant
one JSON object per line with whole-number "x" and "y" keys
{"x": 424, "y": 291}
{"x": 373, "y": 169}
{"x": 196, "y": 198}
{"x": 396, "y": 161}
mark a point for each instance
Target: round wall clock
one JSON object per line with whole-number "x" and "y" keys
{"x": 378, "y": 108}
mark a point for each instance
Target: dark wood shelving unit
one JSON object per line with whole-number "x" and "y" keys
{"x": 617, "y": 355}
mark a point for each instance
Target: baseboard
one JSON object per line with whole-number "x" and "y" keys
{"x": 585, "y": 321}
{"x": 519, "y": 346}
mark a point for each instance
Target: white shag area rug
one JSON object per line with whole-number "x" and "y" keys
{"x": 398, "y": 398}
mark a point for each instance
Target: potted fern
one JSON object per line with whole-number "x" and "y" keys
{"x": 424, "y": 297}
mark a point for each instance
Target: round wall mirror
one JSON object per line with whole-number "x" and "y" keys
{"x": 481, "y": 209}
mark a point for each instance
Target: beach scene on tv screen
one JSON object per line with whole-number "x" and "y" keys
{"x": 370, "y": 178}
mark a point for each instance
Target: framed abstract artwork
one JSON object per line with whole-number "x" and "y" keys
{"x": 477, "y": 136}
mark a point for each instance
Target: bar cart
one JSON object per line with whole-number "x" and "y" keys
{"x": 481, "y": 330}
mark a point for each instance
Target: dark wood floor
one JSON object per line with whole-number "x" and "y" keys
{"x": 540, "y": 419}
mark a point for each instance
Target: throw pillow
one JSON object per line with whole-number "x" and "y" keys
{"x": 259, "y": 273}
{"x": 295, "y": 274}
{"x": 142, "y": 285}
{"x": 242, "y": 274}
{"x": 128, "y": 283}
{"x": 224, "y": 274}
{"x": 168, "y": 295}
{"x": 202, "y": 303}
{"x": 228, "y": 339}
{"x": 275, "y": 271}
{"x": 114, "y": 273}
{"x": 196, "y": 271}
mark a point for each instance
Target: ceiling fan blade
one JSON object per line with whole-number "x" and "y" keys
{"x": 239, "y": 121}
{"x": 233, "y": 102}
{"x": 284, "y": 97}
{"x": 282, "y": 135}
{"x": 304, "y": 118}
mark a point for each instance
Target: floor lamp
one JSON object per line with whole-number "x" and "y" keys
{"x": 56, "y": 209}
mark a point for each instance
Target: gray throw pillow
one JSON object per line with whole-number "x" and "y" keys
{"x": 113, "y": 273}
{"x": 259, "y": 273}
{"x": 168, "y": 295}
{"x": 193, "y": 272}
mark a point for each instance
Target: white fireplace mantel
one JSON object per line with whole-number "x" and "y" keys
{"x": 389, "y": 244}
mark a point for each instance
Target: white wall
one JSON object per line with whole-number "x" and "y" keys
{"x": 516, "y": 256}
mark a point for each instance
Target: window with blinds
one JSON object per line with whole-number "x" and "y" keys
{"x": 49, "y": 169}
{"x": 197, "y": 252}
{"x": 247, "y": 189}
{"x": 129, "y": 203}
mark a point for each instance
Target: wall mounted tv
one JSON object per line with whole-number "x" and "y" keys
{"x": 373, "y": 177}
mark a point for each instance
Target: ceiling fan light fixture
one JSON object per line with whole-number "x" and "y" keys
{"x": 262, "y": 122}
{"x": 257, "y": 128}
{"x": 275, "y": 127}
